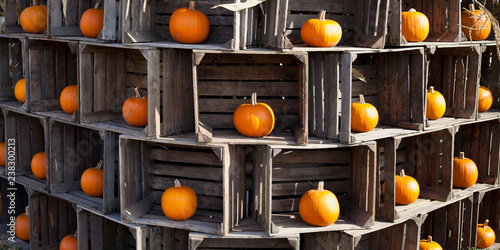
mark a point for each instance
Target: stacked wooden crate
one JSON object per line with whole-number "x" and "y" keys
{"x": 249, "y": 188}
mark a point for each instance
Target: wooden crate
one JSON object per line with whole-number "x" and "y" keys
{"x": 427, "y": 157}
{"x": 480, "y": 144}
{"x": 73, "y": 149}
{"x": 149, "y": 22}
{"x": 64, "y": 19}
{"x": 444, "y": 21}
{"x": 282, "y": 174}
{"x": 30, "y": 133}
{"x": 394, "y": 84}
{"x": 149, "y": 167}
{"x": 243, "y": 240}
{"x": 454, "y": 72}
{"x": 490, "y": 6}
{"x": 489, "y": 78}
{"x": 13, "y": 10}
{"x": 55, "y": 218}
{"x": 487, "y": 206}
{"x": 52, "y": 67}
{"x": 363, "y": 22}
{"x": 11, "y": 70}
{"x": 14, "y": 199}
{"x": 223, "y": 81}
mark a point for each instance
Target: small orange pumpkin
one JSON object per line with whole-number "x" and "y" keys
{"x": 34, "y": 19}
{"x": 436, "y": 104}
{"x": 319, "y": 207}
{"x": 69, "y": 242}
{"x": 20, "y": 90}
{"x": 429, "y": 244}
{"x": 485, "y": 99}
{"x": 69, "y": 99}
{"x": 179, "y": 202}
{"x": 414, "y": 25}
{"x": 92, "y": 181}
{"x": 135, "y": 110}
{"x": 254, "y": 119}
{"x": 485, "y": 235}
{"x": 475, "y": 24}
{"x": 92, "y": 21}
{"x": 465, "y": 171}
{"x": 407, "y": 189}
{"x": 2, "y": 154}
{"x": 188, "y": 25}
{"x": 22, "y": 226}
{"x": 321, "y": 32}
{"x": 38, "y": 166}
{"x": 364, "y": 116}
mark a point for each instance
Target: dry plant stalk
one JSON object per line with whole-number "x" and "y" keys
{"x": 494, "y": 24}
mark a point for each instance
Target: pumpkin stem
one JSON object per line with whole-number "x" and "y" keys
{"x": 76, "y": 234}
{"x": 254, "y": 99}
{"x": 402, "y": 173}
{"x": 322, "y": 15}
{"x": 485, "y": 224}
{"x": 321, "y": 186}
{"x": 137, "y": 93}
{"x": 362, "y": 99}
{"x": 191, "y": 5}
{"x": 99, "y": 165}
{"x": 27, "y": 212}
{"x": 461, "y": 155}
{"x": 97, "y": 4}
{"x": 471, "y": 7}
{"x": 412, "y": 10}
{"x": 431, "y": 89}
{"x": 177, "y": 183}
{"x": 429, "y": 239}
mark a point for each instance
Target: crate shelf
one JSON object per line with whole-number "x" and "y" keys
{"x": 13, "y": 69}
{"x": 13, "y": 10}
{"x": 487, "y": 206}
{"x": 20, "y": 199}
{"x": 245, "y": 240}
{"x": 490, "y": 72}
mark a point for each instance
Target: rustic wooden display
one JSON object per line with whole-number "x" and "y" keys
{"x": 244, "y": 240}
{"x": 148, "y": 168}
{"x": 13, "y": 10}
{"x": 55, "y": 218}
{"x": 427, "y": 157}
{"x": 223, "y": 81}
{"x": 363, "y": 22}
{"x": 490, "y": 73}
{"x": 73, "y": 149}
{"x": 444, "y": 21}
{"x": 487, "y": 206}
{"x": 30, "y": 132}
{"x": 149, "y": 22}
{"x": 11, "y": 70}
{"x": 282, "y": 174}
{"x": 64, "y": 19}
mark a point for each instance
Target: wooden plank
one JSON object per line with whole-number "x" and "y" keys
{"x": 346, "y": 89}
{"x": 99, "y": 90}
{"x": 332, "y": 109}
{"x": 154, "y": 93}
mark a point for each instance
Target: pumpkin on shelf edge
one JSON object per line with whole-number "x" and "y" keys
{"x": 20, "y": 90}
{"x": 414, "y": 25}
{"x": 69, "y": 242}
{"x": 22, "y": 226}
{"x": 179, "y": 202}
{"x": 465, "y": 171}
{"x": 92, "y": 21}
{"x": 485, "y": 235}
{"x": 364, "y": 116}
{"x": 34, "y": 19}
{"x": 319, "y": 207}
{"x": 475, "y": 24}
{"x": 485, "y": 99}
{"x": 254, "y": 119}
{"x": 2, "y": 154}
{"x": 135, "y": 110}
{"x": 92, "y": 181}
{"x": 38, "y": 166}
{"x": 188, "y": 25}
{"x": 321, "y": 32}
{"x": 428, "y": 244}
{"x": 407, "y": 189}
{"x": 69, "y": 99}
{"x": 436, "y": 104}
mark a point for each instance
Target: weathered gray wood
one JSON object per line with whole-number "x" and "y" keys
{"x": 345, "y": 90}
{"x": 154, "y": 93}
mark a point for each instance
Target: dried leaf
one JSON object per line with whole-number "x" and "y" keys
{"x": 239, "y": 6}
{"x": 356, "y": 74}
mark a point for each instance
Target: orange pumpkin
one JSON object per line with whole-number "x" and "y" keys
{"x": 319, "y": 207}
{"x": 475, "y": 24}
{"x": 485, "y": 99}
{"x": 429, "y": 244}
{"x": 22, "y": 226}
{"x": 20, "y": 90}
{"x": 465, "y": 171}
{"x": 436, "y": 104}
{"x": 69, "y": 242}
{"x": 92, "y": 181}
{"x": 179, "y": 202}
{"x": 92, "y": 21}
{"x": 34, "y": 19}
{"x": 69, "y": 99}
{"x": 414, "y": 26}
{"x": 254, "y": 119}
{"x": 135, "y": 110}
{"x": 364, "y": 116}
{"x": 188, "y": 25}
{"x": 2, "y": 154}
{"x": 38, "y": 166}
{"x": 321, "y": 32}
{"x": 407, "y": 189}
{"x": 485, "y": 235}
